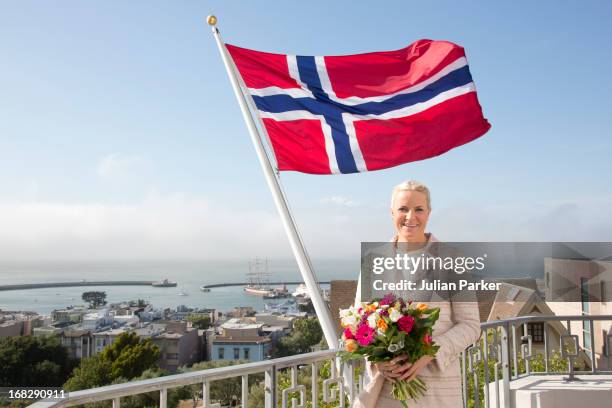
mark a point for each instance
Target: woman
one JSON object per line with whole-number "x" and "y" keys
{"x": 457, "y": 328}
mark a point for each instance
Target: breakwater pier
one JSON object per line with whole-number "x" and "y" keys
{"x": 23, "y": 286}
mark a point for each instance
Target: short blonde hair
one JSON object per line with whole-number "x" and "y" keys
{"x": 411, "y": 185}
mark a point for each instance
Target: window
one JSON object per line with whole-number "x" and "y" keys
{"x": 236, "y": 353}
{"x": 221, "y": 353}
{"x": 247, "y": 353}
{"x": 586, "y": 325}
{"x": 584, "y": 294}
{"x": 536, "y": 331}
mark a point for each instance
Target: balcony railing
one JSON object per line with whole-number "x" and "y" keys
{"x": 505, "y": 354}
{"x": 489, "y": 367}
{"x": 343, "y": 383}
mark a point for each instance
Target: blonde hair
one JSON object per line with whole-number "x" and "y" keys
{"x": 411, "y": 185}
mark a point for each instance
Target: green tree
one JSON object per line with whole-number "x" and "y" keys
{"x": 33, "y": 361}
{"x": 306, "y": 333}
{"x": 94, "y": 298}
{"x": 128, "y": 357}
{"x": 199, "y": 322}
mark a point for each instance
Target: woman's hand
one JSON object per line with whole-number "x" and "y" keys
{"x": 400, "y": 369}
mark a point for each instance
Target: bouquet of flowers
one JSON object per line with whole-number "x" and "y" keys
{"x": 386, "y": 328}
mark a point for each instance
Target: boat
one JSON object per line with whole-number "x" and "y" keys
{"x": 165, "y": 283}
{"x": 259, "y": 278}
{"x": 203, "y": 288}
{"x": 301, "y": 291}
{"x": 278, "y": 293}
{"x": 183, "y": 293}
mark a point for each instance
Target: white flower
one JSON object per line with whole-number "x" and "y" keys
{"x": 349, "y": 321}
{"x": 372, "y": 320}
{"x": 394, "y": 315}
{"x": 393, "y": 348}
{"x": 400, "y": 344}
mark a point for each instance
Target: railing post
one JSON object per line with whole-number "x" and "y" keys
{"x": 116, "y": 402}
{"x": 163, "y": 398}
{"x": 315, "y": 384}
{"x": 206, "y": 394}
{"x": 465, "y": 379}
{"x": 270, "y": 388}
{"x": 505, "y": 343}
{"x": 593, "y": 362}
{"x": 546, "y": 352}
{"x": 245, "y": 391}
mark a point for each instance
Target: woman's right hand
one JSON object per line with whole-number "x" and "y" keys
{"x": 395, "y": 368}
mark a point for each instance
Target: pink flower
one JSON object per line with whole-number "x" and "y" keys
{"x": 405, "y": 323}
{"x": 364, "y": 335}
{"x": 348, "y": 334}
{"x": 427, "y": 339}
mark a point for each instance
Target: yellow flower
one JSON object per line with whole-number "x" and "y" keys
{"x": 381, "y": 324}
{"x": 421, "y": 307}
{"x": 371, "y": 308}
{"x": 350, "y": 345}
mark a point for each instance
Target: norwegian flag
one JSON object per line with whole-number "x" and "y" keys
{"x": 356, "y": 113}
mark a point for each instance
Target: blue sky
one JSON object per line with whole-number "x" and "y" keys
{"x": 120, "y": 136}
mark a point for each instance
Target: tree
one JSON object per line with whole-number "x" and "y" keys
{"x": 94, "y": 298}
{"x": 224, "y": 391}
{"x": 306, "y": 333}
{"x": 33, "y": 361}
{"x": 199, "y": 322}
{"x": 128, "y": 357}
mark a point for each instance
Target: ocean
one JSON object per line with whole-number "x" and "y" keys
{"x": 189, "y": 275}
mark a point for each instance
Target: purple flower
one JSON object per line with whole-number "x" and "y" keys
{"x": 387, "y": 300}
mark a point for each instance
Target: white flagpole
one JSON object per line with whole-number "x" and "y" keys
{"x": 323, "y": 313}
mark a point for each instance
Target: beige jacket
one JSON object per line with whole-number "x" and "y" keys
{"x": 457, "y": 328}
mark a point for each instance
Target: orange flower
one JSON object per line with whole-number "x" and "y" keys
{"x": 371, "y": 308}
{"x": 381, "y": 324}
{"x": 350, "y": 345}
{"x": 421, "y": 307}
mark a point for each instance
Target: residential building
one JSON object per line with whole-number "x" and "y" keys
{"x": 241, "y": 341}
{"x": 179, "y": 345}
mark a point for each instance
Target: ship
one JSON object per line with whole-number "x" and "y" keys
{"x": 278, "y": 293}
{"x": 259, "y": 278}
{"x": 164, "y": 283}
{"x": 204, "y": 288}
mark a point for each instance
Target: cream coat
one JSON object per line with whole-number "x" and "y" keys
{"x": 457, "y": 328}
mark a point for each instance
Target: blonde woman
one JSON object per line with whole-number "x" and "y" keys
{"x": 457, "y": 328}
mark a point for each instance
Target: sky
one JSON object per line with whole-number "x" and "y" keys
{"x": 120, "y": 137}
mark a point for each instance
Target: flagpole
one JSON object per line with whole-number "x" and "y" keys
{"x": 297, "y": 245}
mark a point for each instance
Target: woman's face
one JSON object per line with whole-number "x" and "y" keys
{"x": 410, "y": 214}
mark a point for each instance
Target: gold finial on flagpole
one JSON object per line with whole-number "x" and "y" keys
{"x": 211, "y": 20}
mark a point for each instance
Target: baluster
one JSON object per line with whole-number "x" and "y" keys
{"x": 515, "y": 351}
{"x": 206, "y": 394}
{"x": 474, "y": 358}
{"x": 526, "y": 349}
{"x": 163, "y": 398}
{"x": 245, "y": 391}
{"x": 294, "y": 388}
{"x": 486, "y": 367}
{"x": 315, "y": 384}
{"x": 593, "y": 361}
{"x": 546, "y": 352}
{"x": 505, "y": 344}
{"x": 464, "y": 377}
{"x": 270, "y": 387}
{"x": 116, "y": 402}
